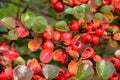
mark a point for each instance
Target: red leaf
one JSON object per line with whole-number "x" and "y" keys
{"x": 46, "y": 56}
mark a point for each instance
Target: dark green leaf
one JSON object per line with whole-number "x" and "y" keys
{"x": 84, "y": 71}
{"x": 12, "y": 35}
{"x": 50, "y": 71}
{"x": 70, "y": 11}
{"x": 52, "y": 13}
{"x": 8, "y": 22}
{"x": 99, "y": 16}
{"x": 28, "y": 19}
{"x": 105, "y": 9}
{"x": 62, "y": 26}
{"x": 98, "y": 2}
{"x": 104, "y": 69}
{"x": 79, "y": 9}
{"x": 21, "y": 46}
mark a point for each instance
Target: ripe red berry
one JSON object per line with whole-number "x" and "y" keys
{"x": 99, "y": 31}
{"x": 71, "y": 3}
{"x": 47, "y": 44}
{"x": 105, "y": 2}
{"x": 56, "y": 35}
{"x": 86, "y": 38}
{"x": 84, "y": 1}
{"x": 76, "y": 45}
{"x": 114, "y": 76}
{"x": 59, "y": 7}
{"x": 46, "y": 35}
{"x": 66, "y": 36}
{"x": 115, "y": 61}
{"x": 95, "y": 40}
{"x": 77, "y": 2}
{"x": 88, "y": 53}
{"x": 73, "y": 25}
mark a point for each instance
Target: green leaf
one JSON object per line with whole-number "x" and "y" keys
{"x": 52, "y": 12}
{"x": 50, "y": 71}
{"x": 79, "y": 9}
{"x": 98, "y": 2}
{"x": 105, "y": 9}
{"x": 19, "y": 61}
{"x": 28, "y": 19}
{"x": 40, "y": 29}
{"x": 8, "y": 22}
{"x": 39, "y": 20}
{"x": 40, "y": 24}
{"x": 86, "y": 7}
{"x": 104, "y": 69}
{"x": 70, "y": 11}
{"x": 84, "y": 71}
{"x": 12, "y": 35}
{"x": 99, "y": 16}
{"x": 79, "y": 15}
{"x": 88, "y": 17}
{"x": 62, "y": 26}
{"x": 21, "y": 46}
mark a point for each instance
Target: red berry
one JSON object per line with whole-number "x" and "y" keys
{"x": 54, "y": 1}
{"x": 97, "y": 58}
{"x": 47, "y": 44}
{"x": 45, "y": 56}
{"x": 105, "y": 2}
{"x": 56, "y": 35}
{"x": 115, "y": 61}
{"x": 76, "y": 45}
{"x": 66, "y": 36}
{"x": 95, "y": 40}
{"x": 59, "y": 7}
{"x": 84, "y": 1}
{"x": 99, "y": 31}
{"x": 86, "y": 38}
{"x": 88, "y": 53}
{"x": 77, "y": 2}
{"x": 46, "y": 35}
{"x": 71, "y": 3}
{"x": 73, "y": 25}
{"x": 114, "y": 76}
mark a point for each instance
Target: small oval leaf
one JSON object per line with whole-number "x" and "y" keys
{"x": 50, "y": 71}
{"x": 70, "y": 11}
{"x": 105, "y": 9}
{"x": 62, "y": 26}
{"x": 8, "y": 22}
{"x": 28, "y": 19}
{"x": 84, "y": 71}
{"x": 104, "y": 69}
